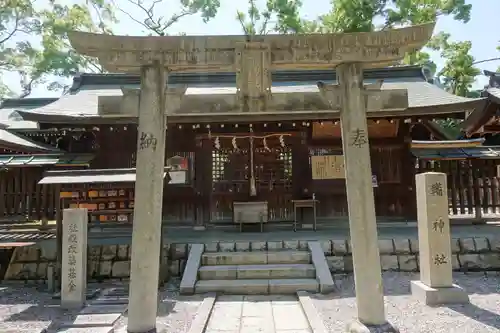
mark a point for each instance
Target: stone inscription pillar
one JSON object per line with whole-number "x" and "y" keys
{"x": 74, "y": 258}
{"x": 146, "y": 236}
{"x": 361, "y": 206}
{"x": 436, "y": 281}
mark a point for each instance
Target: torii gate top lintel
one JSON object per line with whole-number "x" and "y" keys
{"x": 225, "y": 53}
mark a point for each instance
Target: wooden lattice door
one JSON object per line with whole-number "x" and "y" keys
{"x": 231, "y": 176}
{"x": 273, "y": 178}
{"x": 230, "y": 181}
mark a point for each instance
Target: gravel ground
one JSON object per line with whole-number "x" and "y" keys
{"x": 410, "y": 316}
{"x": 175, "y": 312}
{"x": 25, "y": 309}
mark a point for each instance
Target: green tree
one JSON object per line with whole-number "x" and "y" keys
{"x": 362, "y": 15}
{"x": 34, "y": 43}
{"x": 458, "y": 73}
{"x": 16, "y": 19}
{"x": 355, "y": 16}
{"x": 279, "y": 16}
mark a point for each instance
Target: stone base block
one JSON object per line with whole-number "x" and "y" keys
{"x": 438, "y": 296}
{"x": 358, "y": 327}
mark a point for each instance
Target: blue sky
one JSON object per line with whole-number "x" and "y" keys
{"x": 480, "y": 30}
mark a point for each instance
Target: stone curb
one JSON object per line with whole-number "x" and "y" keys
{"x": 190, "y": 274}
{"x": 323, "y": 274}
{"x": 203, "y": 314}
{"x": 315, "y": 322}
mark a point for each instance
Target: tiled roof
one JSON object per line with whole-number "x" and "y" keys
{"x": 480, "y": 117}
{"x": 228, "y": 79}
{"x": 82, "y": 102}
{"x": 457, "y": 153}
{"x": 13, "y": 140}
{"x": 45, "y": 159}
{"x": 90, "y": 176}
{"x": 11, "y": 118}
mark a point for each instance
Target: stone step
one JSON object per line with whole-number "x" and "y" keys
{"x": 257, "y": 286}
{"x": 255, "y": 258}
{"x": 267, "y": 271}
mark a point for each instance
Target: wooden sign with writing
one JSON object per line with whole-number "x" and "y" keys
{"x": 327, "y": 167}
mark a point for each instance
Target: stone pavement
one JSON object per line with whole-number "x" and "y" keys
{"x": 100, "y": 314}
{"x": 254, "y": 314}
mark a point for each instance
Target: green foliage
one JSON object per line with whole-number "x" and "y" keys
{"x": 16, "y": 18}
{"x": 34, "y": 43}
{"x": 355, "y": 16}
{"x": 458, "y": 73}
{"x": 449, "y": 127}
{"x": 257, "y": 22}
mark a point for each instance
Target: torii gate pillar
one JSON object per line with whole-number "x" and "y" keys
{"x": 146, "y": 234}
{"x": 354, "y": 97}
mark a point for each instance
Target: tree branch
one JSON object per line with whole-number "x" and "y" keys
{"x": 485, "y": 60}
{"x": 150, "y": 23}
{"x": 131, "y": 17}
{"x": 14, "y": 30}
{"x": 242, "y": 23}
{"x": 263, "y": 28}
{"x": 99, "y": 17}
{"x": 175, "y": 18}
{"x": 27, "y": 88}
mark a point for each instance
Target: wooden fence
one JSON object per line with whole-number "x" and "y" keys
{"x": 473, "y": 189}
{"x": 473, "y": 185}
{"x": 21, "y": 198}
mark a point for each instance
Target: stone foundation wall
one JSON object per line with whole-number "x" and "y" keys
{"x": 113, "y": 261}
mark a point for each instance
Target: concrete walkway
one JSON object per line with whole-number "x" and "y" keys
{"x": 254, "y": 314}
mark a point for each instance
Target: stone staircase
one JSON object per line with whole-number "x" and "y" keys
{"x": 256, "y": 272}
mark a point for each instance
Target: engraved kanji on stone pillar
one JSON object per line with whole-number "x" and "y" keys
{"x": 253, "y": 75}
{"x": 436, "y": 281}
{"x": 74, "y": 261}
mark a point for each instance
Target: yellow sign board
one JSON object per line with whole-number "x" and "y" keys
{"x": 327, "y": 167}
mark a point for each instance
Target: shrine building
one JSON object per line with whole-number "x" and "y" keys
{"x": 217, "y": 154}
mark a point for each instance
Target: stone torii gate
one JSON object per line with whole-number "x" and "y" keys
{"x": 253, "y": 61}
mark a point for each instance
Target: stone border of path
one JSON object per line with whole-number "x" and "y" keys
{"x": 203, "y": 314}
{"x": 191, "y": 270}
{"x": 323, "y": 274}
{"x": 312, "y": 315}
